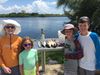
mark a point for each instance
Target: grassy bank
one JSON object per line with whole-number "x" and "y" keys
{"x": 53, "y": 55}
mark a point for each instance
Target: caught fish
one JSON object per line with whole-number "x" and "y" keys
{"x": 43, "y": 43}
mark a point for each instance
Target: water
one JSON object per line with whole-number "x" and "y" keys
{"x": 31, "y": 26}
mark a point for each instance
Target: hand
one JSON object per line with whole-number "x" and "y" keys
{"x": 37, "y": 73}
{"x": 7, "y": 70}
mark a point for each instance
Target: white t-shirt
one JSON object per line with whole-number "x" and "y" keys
{"x": 88, "y": 61}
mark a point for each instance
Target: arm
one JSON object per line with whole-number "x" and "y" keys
{"x": 37, "y": 65}
{"x": 21, "y": 66}
{"x": 4, "y": 67}
{"x": 37, "y": 69}
{"x": 78, "y": 54}
{"x": 79, "y": 49}
{"x": 19, "y": 47}
{"x": 1, "y": 60}
{"x": 21, "y": 69}
{"x": 96, "y": 42}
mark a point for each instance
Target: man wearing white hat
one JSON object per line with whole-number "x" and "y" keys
{"x": 9, "y": 47}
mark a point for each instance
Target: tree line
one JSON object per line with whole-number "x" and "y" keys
{"x": 29, "y": 15}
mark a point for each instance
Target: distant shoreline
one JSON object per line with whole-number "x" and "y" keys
{"x": 31, "y": 15}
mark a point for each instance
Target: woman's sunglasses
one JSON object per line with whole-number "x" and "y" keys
{"x": 28, "y": 44}
{"x": 12, "y": 27}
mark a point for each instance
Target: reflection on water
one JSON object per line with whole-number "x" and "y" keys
{"x": 31, "y": 26}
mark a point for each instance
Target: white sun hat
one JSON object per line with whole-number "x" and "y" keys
{"x": 9, "y": 21}
{"x": 68, "y": 26}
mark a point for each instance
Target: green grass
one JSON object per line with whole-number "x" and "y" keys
{"x": 54, "y": 55}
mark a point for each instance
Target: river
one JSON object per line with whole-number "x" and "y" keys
{"x": 31, "y": 26}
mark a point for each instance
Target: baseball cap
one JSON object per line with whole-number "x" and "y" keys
{"x": 84, "y": 19}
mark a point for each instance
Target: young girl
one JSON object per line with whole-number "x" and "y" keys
{"x": 28, "y": 58}
{"x": 71, "y": 46}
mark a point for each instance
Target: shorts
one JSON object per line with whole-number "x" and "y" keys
{"x": 30, "y": 72}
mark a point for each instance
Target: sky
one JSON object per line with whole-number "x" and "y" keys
{"x": 29, "y": 6}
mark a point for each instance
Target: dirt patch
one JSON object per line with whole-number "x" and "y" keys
{"x": 55, "y": 69}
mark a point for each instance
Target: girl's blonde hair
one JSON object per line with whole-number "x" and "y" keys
{"x": 24, "y": 39}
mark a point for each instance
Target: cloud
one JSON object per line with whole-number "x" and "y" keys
{"x": 46, "y": 7}
{"x": 52, "y": 3}
{"x": 41, "y": 6}
{"x": 37, "y": 6}
{"x": 4, "y": 10}
{"x": 3, "y": 1}
{"x": 28, "y": 8}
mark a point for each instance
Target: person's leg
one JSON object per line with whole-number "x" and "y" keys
{"x": 85, "y": 72}
{"x": 70, "y": 67}
{"x": 0, "y": 71}
{"x": 90, "y": 72}
{"x": 81, "y": 71}
{"x": 15, "y": 70}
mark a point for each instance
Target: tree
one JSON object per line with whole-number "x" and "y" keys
{"x": 96, "y": 21}
{"x": 90, "y": 8}
{"x": 73, "y": 5}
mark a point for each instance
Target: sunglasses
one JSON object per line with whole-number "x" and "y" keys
{"x": 12, "y": 27}
{"x": 28, "y": 44}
